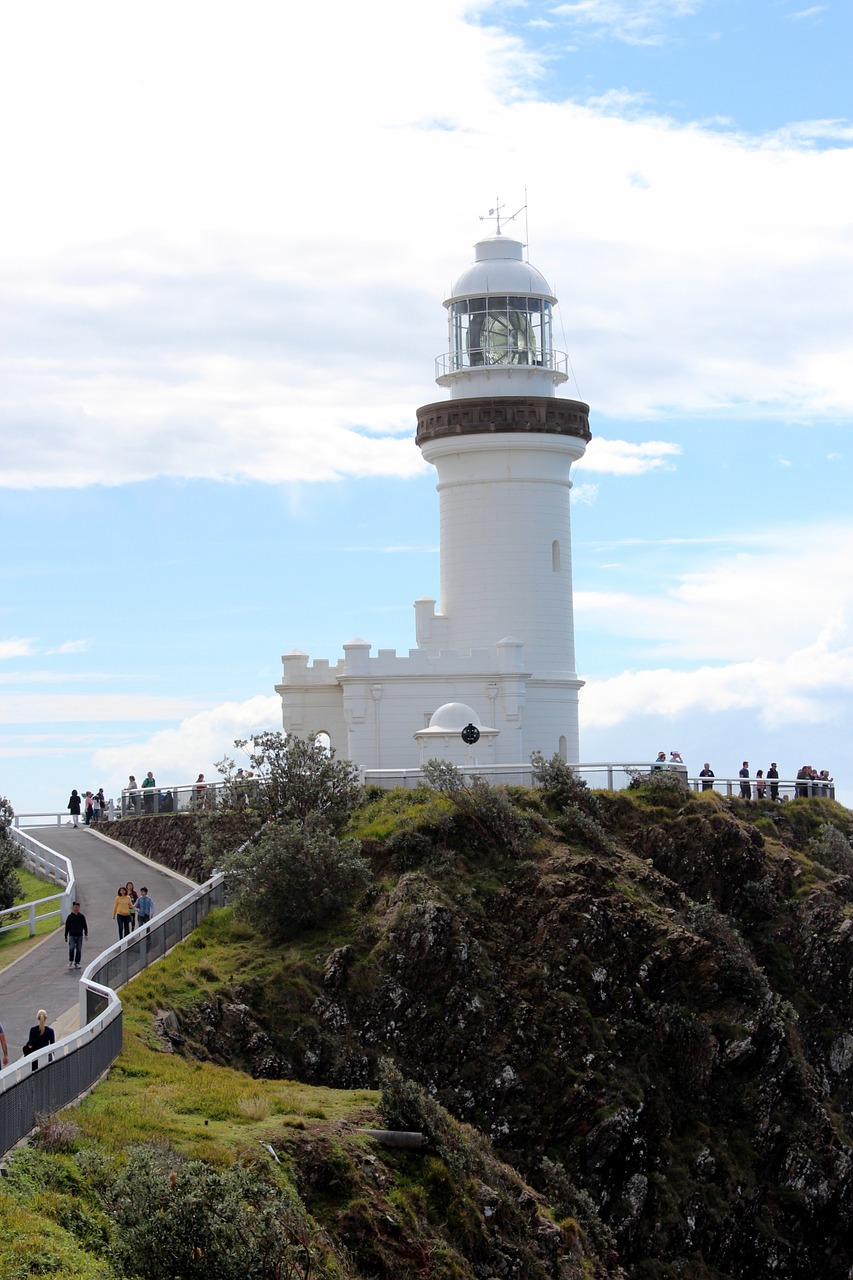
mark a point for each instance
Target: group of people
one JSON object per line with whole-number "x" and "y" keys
{"x": 812, "y": 783}
{"x": 131, "y": 908}
{"x": 91, "y": 805}
{"x": 146, "y": 792}
{"x": 761, "y": 782}
{"x": 763, "y": 785}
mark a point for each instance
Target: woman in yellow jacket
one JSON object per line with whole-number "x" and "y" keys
{"x": 123, "y": 912}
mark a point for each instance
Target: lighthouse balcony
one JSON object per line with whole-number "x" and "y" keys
{"x": 452, "y": 363}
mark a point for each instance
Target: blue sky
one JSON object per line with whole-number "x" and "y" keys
{"x": 226, "y": 237}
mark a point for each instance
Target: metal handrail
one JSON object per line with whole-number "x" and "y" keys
{"x": 55, "y": 1076}
{"x": 44, "y": 862}
{"x": 485, "y": 358}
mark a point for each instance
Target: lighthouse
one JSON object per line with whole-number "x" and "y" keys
{"x": 497, "y": 649}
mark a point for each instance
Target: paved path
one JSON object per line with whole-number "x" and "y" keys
{"x": 41, "y": 979}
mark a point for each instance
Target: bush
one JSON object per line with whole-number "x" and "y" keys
{"x": 182, "y": 1218}
{"x": 11, "y": 858}
{"x": 295, "y": 876}
{"x": 484, "y": 812}
{"x": 295, "y": 779}
{"x": 831, "y": 848}
{"x": 560, "y": 785}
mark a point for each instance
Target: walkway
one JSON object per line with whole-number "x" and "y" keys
{"x": 41, "y": 979}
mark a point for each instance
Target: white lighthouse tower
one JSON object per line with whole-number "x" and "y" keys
{"x": 499, "y": 649}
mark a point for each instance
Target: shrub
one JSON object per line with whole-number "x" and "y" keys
{"x": 295, "y": 876}
{"x": 831, "y": 848}
{"x": 485, "y": 813}
{"x": 560, "y": 785}
{"x": 295, "y": 779}
{"x": 11, "y": 858}
{"x": 178, "y": 1217}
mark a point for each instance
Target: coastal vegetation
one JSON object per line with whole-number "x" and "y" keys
{"x": 619, "y": 1022}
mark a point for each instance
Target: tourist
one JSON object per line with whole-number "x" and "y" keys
{"x": 76, "y": 930}
{"x": 133, "y": 895}
{"x": 123, "y": 912}
{"x": 96, "y": 809}
{"x": 660, "y": 761}
{"x": 675, "y": 757}
{"x": 705, "y": 773}
{"x": 132, "y": 793}
{"x": 760, "y": 785}
{"x": 4, "y": 1048}
{"x": 745, "y": 788}
{"x": 74, "y": 805}
{"x": 773, "y": 778}
{"x": 41, "y": 1035}
{"x": 148, "y": 785}
{"x": 144, "y": 907}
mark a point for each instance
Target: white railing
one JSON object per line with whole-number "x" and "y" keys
{"x": 54, "y": 1076}
{"x": 608, "y": 775}
{"x": 51, "y": 866}
{"x": 612, "y": 776}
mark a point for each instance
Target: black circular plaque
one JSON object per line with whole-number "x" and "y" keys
{"x": 470, "y": 734}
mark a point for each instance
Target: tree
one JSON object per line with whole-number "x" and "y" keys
{"x": 295, "y": 875}
{"x": 294, "y": 779}
{"x": 11, "y": 858}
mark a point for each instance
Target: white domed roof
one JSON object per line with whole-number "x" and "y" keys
{"x": 499, "y": 267}
{"x": 453, "y": 717}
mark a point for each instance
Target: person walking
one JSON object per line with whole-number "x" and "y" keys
{"x": 123, "y": 911}
{"x": 4, "y": 1048}
{"x": 144, "y": 907}
{"x": 76, "y": 930}
{"x": 133, "y": 895}
{"x": 96, "y": 808}
{"x": 74, "y": 806}
{"x": 41, "y": 1035}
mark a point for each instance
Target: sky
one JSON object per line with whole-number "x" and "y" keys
{"x": 226, "y": 233}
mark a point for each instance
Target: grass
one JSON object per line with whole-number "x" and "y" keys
{"x": 17, "y": 942}
{"x": 207, "y": 1111}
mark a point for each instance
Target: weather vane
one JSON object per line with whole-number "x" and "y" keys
{"x": 494, "y": 215}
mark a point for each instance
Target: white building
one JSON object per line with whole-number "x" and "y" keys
{"x": 500, "y": 648}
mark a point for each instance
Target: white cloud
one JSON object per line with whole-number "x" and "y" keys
{"x": 632, "y": 21}
{"x": 177, "y": 755}
{"x": 584, "y": 494}
{"x": 740, "y": 605}
{"x": 13, "y": 648}
{"x": 86, "y": 708}
{"x": 807, "y": 687}
{"x": 621, "y": 458}
{"x": 192, "y": 309}
{"x": 70, "y": 646}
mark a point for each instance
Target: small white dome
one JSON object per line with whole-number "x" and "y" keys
{"x": 453, "y": 717}
{"x": 499, "y": 267}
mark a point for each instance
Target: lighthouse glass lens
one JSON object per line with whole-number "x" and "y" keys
{"x": 499, "y": 330}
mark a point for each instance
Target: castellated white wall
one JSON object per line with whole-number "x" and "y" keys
{"x": 371, "y": 707}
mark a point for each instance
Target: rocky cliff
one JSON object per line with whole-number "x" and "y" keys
{"x": 645, "y": 1005}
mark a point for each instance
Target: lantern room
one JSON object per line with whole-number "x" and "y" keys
{"x": 500, "y": 320}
